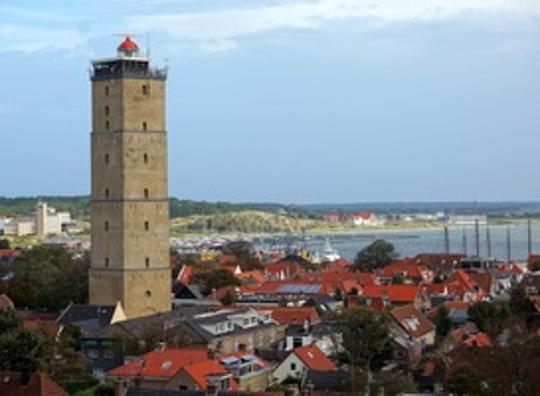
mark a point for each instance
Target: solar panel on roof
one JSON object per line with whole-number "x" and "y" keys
{"x": 296, "y": 289}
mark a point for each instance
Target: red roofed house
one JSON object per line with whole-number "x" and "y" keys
{"x": 295, "y": 315}
{"x": 414, "y": 322}
{"x": 362, "y": 219}
{"x": 35, "y": 384}
{"x": 205, "y": 375}
{"x": 396, "y": 295}
{"x": 461, "y": 284}
{"x": 410, "y": 271}
{"x": 249, "y": 371}
{"x": 301, "y": 360}
{"x": 160, "y": 369}
{"x": 332, "y": 217}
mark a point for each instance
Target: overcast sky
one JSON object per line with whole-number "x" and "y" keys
{"x": 289, "y": 100}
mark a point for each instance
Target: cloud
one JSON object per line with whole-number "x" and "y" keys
{"x": 218, "y": 27}
{"x": 25, "y": 39}
{"x": 228, "y": 26}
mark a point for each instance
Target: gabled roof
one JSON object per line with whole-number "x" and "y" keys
{"x": 39, "y": 384}
{"x": 408, "y": 268}
{"x": 314, "y": 358}
{"x": 293, "y": 315}
{"x": 483, "y": 280}
{"x": 200, "y": 371}
{"x": 412, "y": 321}
{"x": 165, "y": 363}
{"x": 394, "y": 293}
{"x": 89, "y": 317}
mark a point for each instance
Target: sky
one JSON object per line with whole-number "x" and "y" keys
{"x": 291, "y": 101}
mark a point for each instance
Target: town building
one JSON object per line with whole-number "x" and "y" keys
{"x": 129, "y": 198}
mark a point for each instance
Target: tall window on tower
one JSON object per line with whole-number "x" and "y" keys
{"x": 144, "y": 126}
{"x": 107, "y": 110}
{"x": 145, "y": 158}
{"x": 146, "y": 90}
{"x": 106, "y": 193}
{"x": 146, "y": 193}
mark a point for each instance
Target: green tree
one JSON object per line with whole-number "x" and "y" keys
{"x": 20, "y": 350}
{"x": 398, "y": 279}
{"x": 215, "y": 279}
{"x": 442, "y": 321}
{"x": 48, "y": 278}
{"x": 338, "y": 295}
{"x": 365, "y": 337}
{"x": 244, "y": 253}
{"x": 104, "y": 390}
{"x": 488, "y": 317}
{"x": 229, "y": 298}
{"x": 376, "y": 255}
{"x": 464, "y": 381}
{"x": 520, "y": 304}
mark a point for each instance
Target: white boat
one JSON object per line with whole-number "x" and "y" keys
{"x": 329, "y": 253}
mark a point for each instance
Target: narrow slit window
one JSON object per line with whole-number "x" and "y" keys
{"x": 144, "y": 126}
{"x": 146, "y": 225}
{"x": 146, "y": 193}
{"x": 147, "y": 262}
{"x": 145, "y": 158}
{"x": 107, "y": 110}
{"x": 106, "y": 226}
{"x": 107, "y": 125}
{"x": 106, "y": 261}
{"x": 106, "y": 91}
{"x": 106, "y": 193}
{"x": 107, "y": 158}
{"x": 146, "y": 90}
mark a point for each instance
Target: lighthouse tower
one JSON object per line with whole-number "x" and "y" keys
{"x": 129, "y": 198}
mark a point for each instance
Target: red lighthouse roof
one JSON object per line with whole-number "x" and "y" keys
{"x": 128, "y": 45}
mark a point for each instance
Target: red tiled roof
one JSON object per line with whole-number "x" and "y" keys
{"x": 7, "y": 253}
{"x": 165, "y": 363}
{"x": 456, "y": 305}
{"x": 395, "y": 293}
{"x": 360, "y": 215}
{"x": 413, "y": 321}
{"x": 480, "y": 340}
{"x": 483, "y": 280}
{"x": 288, "y": 316}
{"x": 201, "y": 370}
{"x": 438, "y": 288}
{"x": 12, "y": 384}
{"x": 185, "y": 274}
{"x": 314, "y": 358}
{"x": 438, "y": 259}
{"x": 336, "y": 277}
{"x": 406, "y": 267}
{"x": 48, "y": 327}
{"x": 459, "y": 282}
